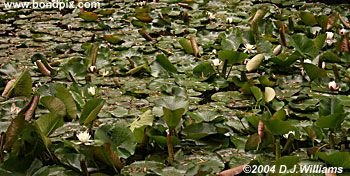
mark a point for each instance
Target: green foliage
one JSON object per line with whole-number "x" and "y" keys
{"x": 124, "y": 95}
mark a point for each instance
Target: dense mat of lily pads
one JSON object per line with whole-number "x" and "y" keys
{"x": 174, "y": 87}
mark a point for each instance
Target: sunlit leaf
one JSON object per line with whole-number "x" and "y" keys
{"x": 165, "y": 63}
{"x": 186, "y": 45}
{"x": 91, "y": 110}
{"x": 54, "y": 105}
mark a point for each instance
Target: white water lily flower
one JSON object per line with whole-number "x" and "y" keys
{"x": 210, "y": 15}
{"x": 307, "y": 61}
{"x": 142, "y": 3}
{"x": 290, "y": 132}
{"x": 333, "y": 86}
{"x": 216, "y": 62}
{"x": 84, "y": 137}
{"x": 248, "y": 48}
{"x": 229, "y": 20}
{"x": 316, "y": 30}
{"x": 92, "y": 90}
{"x": 105, "y": 73}
{"x": 92, "y": 68}
{"x": 329, "y": 39}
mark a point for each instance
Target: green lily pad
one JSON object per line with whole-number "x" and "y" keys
{"x": 91, "y": 110}
{"x": 48, "y": 123}
{"x": 165, "y": 63}
{"x": 54, "y": 105}
{"x": 88, "y": 16}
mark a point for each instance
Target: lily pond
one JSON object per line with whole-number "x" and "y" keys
{"x": 175, "y": 87}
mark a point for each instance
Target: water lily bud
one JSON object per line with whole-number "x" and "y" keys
{"x": 8, "y": 87}
{"x": 92, "y": 69}
{"x": 302, "y": 72}
{"x": 342, "y": 31}
{"x": 277, "y": 50}
{"x": 42, "y": 68}
{"x": 330, "y": 35}
{"x": 333, "y": 86}
{"x": 323, "y": 65}
{"x": 83, "y": 136}
{"x": 329, "y": 39}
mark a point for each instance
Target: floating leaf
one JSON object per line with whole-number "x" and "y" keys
{"x": 252, "y": 142}
{"x": 146, "y": 119}
{"x": 308, "y": 18}
{"x": 114, "y": 39}
{"x": 279, "y": 127}
{"x": 172, "y": 117}
{"x": 90, "y": 111}
{"x": 232, "y": 40}
{"x": 88, "y": 16}
{"x": 14, "y": 129}
{"x": 144, "y": 17}
{"x": 232, "y": 57}
{"x": 331, "y": 114}
{"x": 304, "y": 45}
{"x": 186, "y": 45}
{"x": 120, "y": 137}
{"x": 66, "y": 97}
{"x": 165, "y": 63}
{"x": 137, "y": 168}
{"x": 204, "y": 70}
{"x": 329, "y": 56}
{"x": 54, "y": 105}
{"x": 139, "y": 125}
{"x": 336, "y": 159}
{"x": 314, "y": 72}
{"x": 108, "y": 156}
{"x": 48, "y": 123}
{"x": 199, "y": 130}
{"x": 254, "y": 63}
{"x": 257, "y": 93}
{"x": 269, "y": 94}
